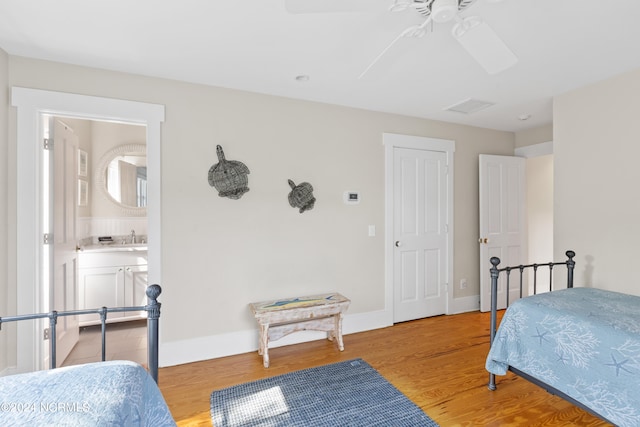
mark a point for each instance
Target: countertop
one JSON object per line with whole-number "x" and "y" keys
{"x": 114, "y": 247}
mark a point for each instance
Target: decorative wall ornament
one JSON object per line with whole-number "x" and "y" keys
{"x": 83, "y": 192}
{"x": 83, "y": 163}
{"x": 301, "y": 196}
{"x": 229, "y": 177}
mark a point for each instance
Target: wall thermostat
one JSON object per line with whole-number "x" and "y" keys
{"x": 351, "y": 197}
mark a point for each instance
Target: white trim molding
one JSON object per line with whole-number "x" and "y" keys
{"x": 31, "y": 104}
{"x": 222, "y": 345}
{"x": 535, "y": 150}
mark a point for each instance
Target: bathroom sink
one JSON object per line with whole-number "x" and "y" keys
{"x": 136, "y": 246}
{"x": 120, "y": 247}
{"x": 130, "y": 246}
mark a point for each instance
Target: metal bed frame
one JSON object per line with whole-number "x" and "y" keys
{"x": 153, "y": 316}
{"x": 495, "y": 274}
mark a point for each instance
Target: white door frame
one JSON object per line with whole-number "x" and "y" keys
{"x": 391, "y": 141}
{"x": 30, "y": 104}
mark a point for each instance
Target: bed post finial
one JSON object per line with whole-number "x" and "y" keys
{"x": 494, "y": 286}
{"x": 570, "y": 266}
{"x": 494, "y": 282}
{"x": 153, "y": 306}
{"x": 153, "y": 314}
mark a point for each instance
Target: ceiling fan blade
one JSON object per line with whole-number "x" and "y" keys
{"x": 484, "y": 45}
{"x": 380, "y": 55}
{"x": 327, "y": 6}
{"x": 402, "y": 5}
{"x": 413, "y": 31}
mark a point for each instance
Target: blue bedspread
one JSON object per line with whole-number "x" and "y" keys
{"x": 118, "y": 393}
{"x": 583, "y": 342}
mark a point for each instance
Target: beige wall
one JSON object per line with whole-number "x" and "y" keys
{"x": 536, "y": 144}
{"x": 540, "y": 211}
{"x": 597, "y": 204}
{"x": 535, "y": 135}
{"x": 220, "y": 254}
{"x": 4, "y": 173}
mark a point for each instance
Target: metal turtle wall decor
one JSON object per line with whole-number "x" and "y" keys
{"x": 301, "y": 196}
{"x": 229, "y": 177}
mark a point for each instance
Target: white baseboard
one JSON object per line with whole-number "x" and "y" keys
{"x": 466, "y": 304}
{"x": 214, "y": 346}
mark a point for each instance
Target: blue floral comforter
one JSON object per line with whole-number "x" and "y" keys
{"x": 584, "y": 342}
{"x": 118, "y": 393}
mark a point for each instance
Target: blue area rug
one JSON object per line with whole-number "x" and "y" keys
{"x": 343, "y": 394}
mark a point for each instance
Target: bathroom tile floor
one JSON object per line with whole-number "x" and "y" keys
{"x": 124, "y": 341}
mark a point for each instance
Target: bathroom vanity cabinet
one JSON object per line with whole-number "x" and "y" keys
{"x": 112, "y": 277}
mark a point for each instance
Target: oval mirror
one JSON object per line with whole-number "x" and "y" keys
{"x": 122, "y": 177}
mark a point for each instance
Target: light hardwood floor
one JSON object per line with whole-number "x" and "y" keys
{"x": 124, "y": 341}
{"x": 437, "y": 362}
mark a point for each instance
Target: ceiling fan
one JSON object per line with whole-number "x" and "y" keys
{"x": 473, "y": 34}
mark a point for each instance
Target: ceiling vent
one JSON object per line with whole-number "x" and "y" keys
{"x": 469, "y": 106}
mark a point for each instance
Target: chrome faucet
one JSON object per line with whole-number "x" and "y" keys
{"x": 133, "y": 236}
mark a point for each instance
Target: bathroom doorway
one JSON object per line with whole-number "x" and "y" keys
{"x": 31, "y": 104}
{"x": 104, "y": 182}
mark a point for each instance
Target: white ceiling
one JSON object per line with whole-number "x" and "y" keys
{"x": 256, "y": 45}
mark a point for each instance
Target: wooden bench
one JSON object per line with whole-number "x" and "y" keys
{"x": 278, "y": 318}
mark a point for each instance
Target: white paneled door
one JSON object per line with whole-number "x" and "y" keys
{"x": 420, "y": 235}
{"x": 502, "y": 222}
{"x": 64, "y": 288}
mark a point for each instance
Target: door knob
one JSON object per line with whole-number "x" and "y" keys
{"x": 398, "y": 243}
{"x": 483, "y": 240}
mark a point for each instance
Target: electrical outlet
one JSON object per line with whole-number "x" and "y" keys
{"x": 463, "y": 283}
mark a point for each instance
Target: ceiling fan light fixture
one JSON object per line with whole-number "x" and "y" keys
{"x": 444, "y": 10}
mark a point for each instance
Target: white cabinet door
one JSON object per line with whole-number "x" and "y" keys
{"x": 112, "y": 279}
{"x": 135, "y": 279}
{"x": 101, "y": 287}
